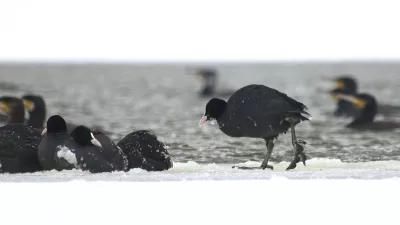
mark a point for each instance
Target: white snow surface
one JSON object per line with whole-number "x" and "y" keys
{"x": 272, "y": 201}
{"x": 326, "y": 191}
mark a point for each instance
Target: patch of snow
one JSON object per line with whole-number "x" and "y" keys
{"x": 67, "y": 154}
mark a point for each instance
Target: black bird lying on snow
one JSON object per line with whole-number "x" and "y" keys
{"x": 83, "y": 149}
{"x": 94, "y": 151}
{"x": 257, "y": 111}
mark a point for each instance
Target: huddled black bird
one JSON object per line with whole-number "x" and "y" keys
{"x": 347, "y": 84}
{"x": 82, "y": 149}
{"x": 257, "y": 111}
{"x": 209, "y": 77}
{"x": 145, "y": 151}
{"x": 368, "y": 107}
{"x": 93, "y": 151}
{"x": 18, "y": 142}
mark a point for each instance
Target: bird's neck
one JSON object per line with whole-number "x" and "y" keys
{"x": 17, "y": 115}
{"x": 37, "y": 118}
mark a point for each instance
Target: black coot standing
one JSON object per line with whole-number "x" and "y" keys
{"x": 257, "y": 111}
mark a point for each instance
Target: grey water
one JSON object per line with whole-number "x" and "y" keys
{"x": 163, "y": 98}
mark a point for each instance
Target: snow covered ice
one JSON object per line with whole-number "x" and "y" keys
{"x": 326, "y": 191}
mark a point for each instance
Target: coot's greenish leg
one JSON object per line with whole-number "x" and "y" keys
{"x": 270, "y": 146}
{"x": 298, "y": 149}
{"x": 264, "y": 164}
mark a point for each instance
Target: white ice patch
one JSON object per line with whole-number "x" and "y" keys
{"x": 67, "y": 154}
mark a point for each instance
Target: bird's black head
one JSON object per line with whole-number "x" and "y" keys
{"x": 366, "y": 103}
{"x": 214, "y": 109}
{"x": 84, "y": 136}
{"x": 347, "y": 83}
{"x": 14, "y": 108}
{"x": 36, "y": 108}
{"x": 55, "y": 124}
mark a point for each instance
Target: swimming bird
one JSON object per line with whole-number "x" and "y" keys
{"x": 257, "y": 111}
{"x": 36, "y": 107}
{"x": 82, "y": 149}
{"x": 209, "y": 78}
{"x": 13, "y": 108}
{"x": 146, "y": 152}
{"x": 344, "y": 84}
{"x": 18, "y": 142}
{"x": 347, "y": 84}
{"x": 369, "y": 108}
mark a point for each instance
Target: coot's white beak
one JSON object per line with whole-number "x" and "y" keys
{"x": 203, "y": 120}
{"x": 44, "y": 131}
{"x": 95, "y": 141}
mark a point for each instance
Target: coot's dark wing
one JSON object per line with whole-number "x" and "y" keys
{"x": 145, "y": 151}
{"x": 18, "y": 148}
{"x": 264, "y": 92}
{"x": 259, "y": 111}
{"x": 111, "y": 152}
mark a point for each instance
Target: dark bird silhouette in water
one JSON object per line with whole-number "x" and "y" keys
{"x": 36, "y": 108}
{"x": 145, "y": 151}
{"x": 18, "y": 142}
{"x": 83, "y": 149}
{"x": 347, "y": 84}
{"x": 365, "y": 120}
{"x": 209, "y": 78}
{"x": 13, "y": 108}
{"x": 257, "y": 111}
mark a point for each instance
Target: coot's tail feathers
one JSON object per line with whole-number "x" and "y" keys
{"x": 302, "y": 113}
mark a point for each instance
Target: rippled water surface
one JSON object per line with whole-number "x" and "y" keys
{"x": 163, "y": 98}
